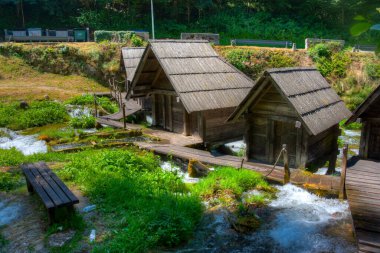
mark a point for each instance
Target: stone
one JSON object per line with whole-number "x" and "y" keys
{"x": 24, "y": 105}
{"x": 197, "y": 169}
{"x": 46, "y": 97}
{"x": 61, "y": 238}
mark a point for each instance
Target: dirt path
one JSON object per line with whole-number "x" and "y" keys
{"x": 24, "y": 224}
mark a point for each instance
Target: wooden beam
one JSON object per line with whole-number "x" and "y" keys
{"x": 163, "y": 92}
{"x": 170, "y": 112}
{"x": 342, "y": 188}
{"x": 142, "y": 87}
{"x": 157, "y": 76}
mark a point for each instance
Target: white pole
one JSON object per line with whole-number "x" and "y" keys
{"x": 151, "y": 8}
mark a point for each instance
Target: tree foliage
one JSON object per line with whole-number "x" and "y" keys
{"x": 284, "y": 19}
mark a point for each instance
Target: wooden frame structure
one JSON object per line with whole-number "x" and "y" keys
{"x": 293, "y": 106}
{"x": 191, "y": 88}
{"x": 369, "y": 114}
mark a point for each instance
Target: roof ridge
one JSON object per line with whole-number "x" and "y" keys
{"x": 289, "y": 69}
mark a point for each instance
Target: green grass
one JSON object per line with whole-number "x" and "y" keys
{"x": 39, "y": 113}
{"x": 228, "y": 184}
{"x": 146, "y": 207}
{"x": 83, "y": 122}
{"x": 10, "y": 181}
{"x": 72, "y": 221}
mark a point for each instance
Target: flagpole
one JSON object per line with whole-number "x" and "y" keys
{"x": 152, "y": 12}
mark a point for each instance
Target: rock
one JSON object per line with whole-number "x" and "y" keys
{"x": 197, "y": 169}
{"x": 46, "y": 97}
{"x": 89, "y": 208}
{"x": 92, "y": 235}
{"x": 245, "y": 223}
{"x": 61, "y": 238}
{"x": 24, "y": 105}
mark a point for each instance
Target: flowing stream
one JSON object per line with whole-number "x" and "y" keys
{"x": 296, "y": 222}
{"x": 27, "y": 144}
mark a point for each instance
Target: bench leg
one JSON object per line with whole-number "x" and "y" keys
{"x": 51, "y": 215}
{"x": 29, "y": 186}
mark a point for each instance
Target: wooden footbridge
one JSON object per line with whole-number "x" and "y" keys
{"x": 362, "y": 186}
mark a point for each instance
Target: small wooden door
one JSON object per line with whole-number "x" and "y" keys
{"x": 160, "y": 110}
{"x": 285, "y": 133}
{"x": 374, "y": 141}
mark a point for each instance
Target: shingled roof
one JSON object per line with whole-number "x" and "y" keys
{"x": 370, "y": 107}
{"x": 200, "y": 77}
{"x": 308, "y": 92}
{"x": 131, "y": 58}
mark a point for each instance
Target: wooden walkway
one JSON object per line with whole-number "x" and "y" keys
{"x": 363, "y": 194}
{"x": 298, "y": 177}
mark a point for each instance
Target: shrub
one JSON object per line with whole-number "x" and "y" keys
{"x": 113, "y": 36}
{"x": 10, "y": 157}
{"x": 324, "y": 50}
{"x": 372, "y": 70}
{"x": 239, "y": 58}
{"x": 83, "y": 122}
{"x": 137, "y": 41}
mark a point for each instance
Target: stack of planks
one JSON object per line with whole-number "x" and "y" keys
{"x": 363, "y": 194}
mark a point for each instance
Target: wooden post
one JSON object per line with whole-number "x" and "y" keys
{"x": 286, "y": 165}
{"x": 334, "y": 153}
{"x": 96, "y": 106}
{"x": 342, "y": 188}
{"x": 124, "y": 118}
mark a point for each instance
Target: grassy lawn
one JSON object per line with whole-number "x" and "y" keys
{"x": 19, "y": 81}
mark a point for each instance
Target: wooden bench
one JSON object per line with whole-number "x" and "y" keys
{"x": 52, "y": 191}
{"x": 236, "y": 42}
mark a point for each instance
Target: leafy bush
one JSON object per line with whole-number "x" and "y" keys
{"x": 113, "y": 36}
{"x": 137, "y": 41}
{"x": 372, "y": 70}
{"x": 38, "y": 113}
{"x": 324, "y": 50}
{"x": 146, "y": 207}
{"x": 84, "y": 122}
{"x": 10, "y": 157}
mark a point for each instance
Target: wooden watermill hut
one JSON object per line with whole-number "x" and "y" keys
{"x": 293, "y": 106}
{"x": 131, "y": 57}
{"x": 192, "y": 89}
{"x": 369, "y": 114}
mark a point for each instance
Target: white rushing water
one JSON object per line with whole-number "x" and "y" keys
{"x": 296, "y": 222}
{"x": 77, "y": 111}
{"x": 299, "y": 225}
{"x": 27, "y": 144}
{"x": 169, "y": 167}
{"x": 236, "y": 146}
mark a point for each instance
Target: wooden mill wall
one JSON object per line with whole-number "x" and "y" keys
{"x": 217, "y": 130}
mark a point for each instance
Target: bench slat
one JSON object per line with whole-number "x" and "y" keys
{"x": 37, "y": 187}
{"x": 50, "y": 192}
{"x": 43, "y": 169}
{"x": 61, "y": 185}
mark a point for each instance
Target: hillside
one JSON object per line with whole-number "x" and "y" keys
{"x": 19, "y": 81}
{"x": 83, "y": 67}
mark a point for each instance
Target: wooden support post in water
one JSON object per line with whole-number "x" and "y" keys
{"x": 124, "y": 118}
{"x": 286, "y": 165}
{"x": 342, "y": 188}
{"x": 96, "y": 106}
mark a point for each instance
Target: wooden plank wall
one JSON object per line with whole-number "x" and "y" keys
{"x": 322, "y": 145}
{"x": 216, "y": 128}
